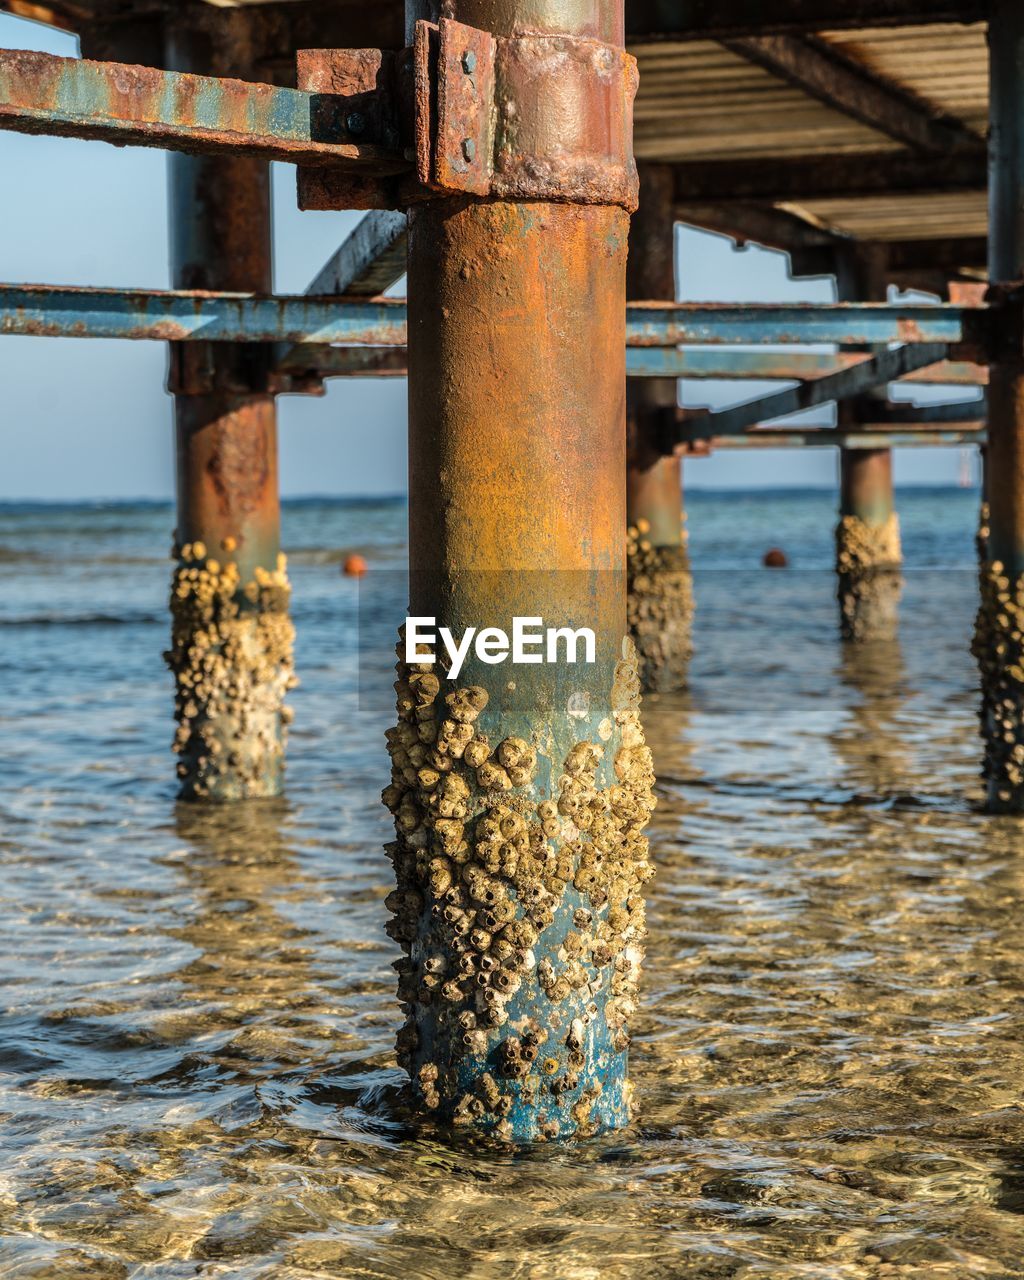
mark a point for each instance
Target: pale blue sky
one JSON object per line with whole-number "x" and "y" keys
{"x": 85, "y": 419}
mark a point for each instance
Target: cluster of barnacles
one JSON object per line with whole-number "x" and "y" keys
{"x": 998, "y": 647}
{"x": 659, "y": 606}
{"x": 868, "y": 561}
{"x": 232, "y": 659}
{"x": 863, "y": 548}
{"x": 504, "y": 891}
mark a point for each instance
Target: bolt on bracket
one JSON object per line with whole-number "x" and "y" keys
{"x": 532, "y": 117}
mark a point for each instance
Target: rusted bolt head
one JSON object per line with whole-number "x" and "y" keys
{"x": 468, "y": 150}
{"x": 356, "y": 122}
{"x": 469, "y": 62}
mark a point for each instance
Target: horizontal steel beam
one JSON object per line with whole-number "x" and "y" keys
{"x": 197, "y": 317}
{"x": 881, "y": 173}
{"x": 145, "y": 107}
{"x": 771, "y": 366}
{"x": 868, "y": 438}
{"x": 345, "y": 362}
{"x": 761, "y": 223}
{"x": 894, "y": 414}
{"x": 720, "y": 19}
{"x": 879, "y": 369}
{"x": 698, "y": 363}
{"x": 224, "y": 317}
{"x": 659, "y": 324}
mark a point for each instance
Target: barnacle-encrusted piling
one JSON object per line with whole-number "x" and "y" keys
{"x": 660, "y": 606}
{"x": 999, "y": 649}
{"x": 231, "y": 655}
{"x": 520, "y": 863}
{"x": 231, "y": 650}
{"x": 659, "y": 582}
{"x": 998, "y": 644}
{"x": 522, "y": 789}
{"x": 868, "y": 553}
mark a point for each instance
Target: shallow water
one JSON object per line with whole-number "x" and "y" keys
{"x": 196, "y": 1067}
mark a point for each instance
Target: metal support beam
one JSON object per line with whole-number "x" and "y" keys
{"x": 520, "y": 793}
{"x": 761, "y": 223}
{"x": 823, "y": 72}
{"x": 876, "y": 371}
{"x": 370, "y": 260}
{"x": 949, "y": 254}
{"x": 198, "y": 316}
{"x": 722, "y": 19}
{"x": 657, "y": 362}
{"x": 231, "y": 650}
{"x": 659, "y": 582}
{"x": 849, "y": 176}
{"x": 933, "y": 415}
{"x": 720, "y": 363}
{"x": 659, "y": 324}
{"x": 867, "y": 437}
{"x": 998, "y": 643}
{"x": 144, "y": 107}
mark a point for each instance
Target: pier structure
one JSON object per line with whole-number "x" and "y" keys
{"x": 659, "y": 582}
{"x": 492, "y": 148}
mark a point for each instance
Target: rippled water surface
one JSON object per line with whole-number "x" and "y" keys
{"x": 196, "y": 1067}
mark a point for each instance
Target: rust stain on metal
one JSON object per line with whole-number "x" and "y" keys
{"x": 227, "y": 475}
{"x": 565, "y": 121}
{"x": 507, "y": 303}
{"x": 143, "y": 106}
{"x": 909, "y": 331}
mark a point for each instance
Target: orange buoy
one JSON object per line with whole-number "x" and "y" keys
{"x": 775, "y": 559}
{"x": 354, "y": 567}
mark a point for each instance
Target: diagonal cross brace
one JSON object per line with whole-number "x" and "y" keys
{"x": 368, "y": 261}
{"x": 886, "y": 366}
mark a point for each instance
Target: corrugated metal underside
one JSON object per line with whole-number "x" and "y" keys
{"x": 702, "y": 101}
{"x": 911, "y": 217}
{"x": 699, "y": 101}
{"x": 946, "y": 65}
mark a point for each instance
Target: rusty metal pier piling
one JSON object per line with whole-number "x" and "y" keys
{"x": 231, "y": 648}
{"x": 660, "y": 585}
{"x": 520, "y": 855}
{"x": 999, "y": 635}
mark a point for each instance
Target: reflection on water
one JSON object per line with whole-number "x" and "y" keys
{"x": 196, "y": 1066}
{"x": 870, "y": 745}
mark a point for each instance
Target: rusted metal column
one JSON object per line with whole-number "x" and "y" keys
{"x": 868, "y": 551}
{"x": 660, "y": 586}
{"x": 231, "y": 648}
{"x": 520, "y": 791}
{"x": 999, "y": 633}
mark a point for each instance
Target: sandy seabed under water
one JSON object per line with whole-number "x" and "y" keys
{"x": 197, "y": 1075}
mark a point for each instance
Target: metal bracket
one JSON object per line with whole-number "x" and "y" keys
{"x": 529, "y": 117}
